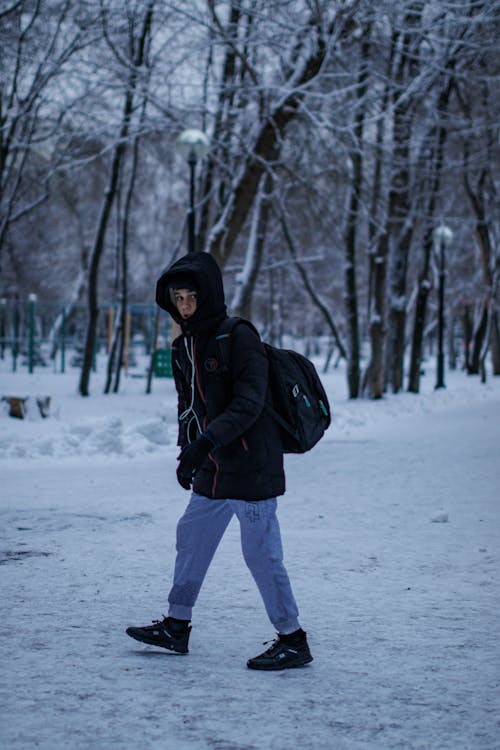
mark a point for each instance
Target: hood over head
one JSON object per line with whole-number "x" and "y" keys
{"x": 200, "y": 272}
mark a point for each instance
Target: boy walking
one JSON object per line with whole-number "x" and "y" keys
{"x": 231, "y": 458}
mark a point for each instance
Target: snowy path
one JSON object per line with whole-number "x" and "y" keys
{"x": 402, "y": 612}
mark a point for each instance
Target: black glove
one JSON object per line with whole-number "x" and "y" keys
{"x": 191, "y": 458}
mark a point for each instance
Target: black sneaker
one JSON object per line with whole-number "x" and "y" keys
{"x": 161, "y": 633}
{"x": 283, "y": 654}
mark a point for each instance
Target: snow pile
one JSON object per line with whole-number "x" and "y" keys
{"x": 93, "y": 436}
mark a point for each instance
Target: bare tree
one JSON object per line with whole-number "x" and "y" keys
{"x": 117, "y": 349}
{"x": 435, "y": 159}
{"x": 307, "y": 53}
{"x": 400, "y": 212}
{"x": 309, "y": 287}
{"x": 36, "y": 51}
{"x": 356, "y": 154}
{"x": 136, "y": 52}
{"x": 487, "y": 331}
{"x": 373, "y": 382}
{"x": 245, "y": 282}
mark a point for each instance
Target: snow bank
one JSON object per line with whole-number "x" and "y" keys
{"x": 366, "y": 415}
{"x": 94, "y": 436}
{"x": 126, "y": 425}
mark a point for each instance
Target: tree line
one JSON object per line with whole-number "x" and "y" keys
{"x": 342, "y": 133}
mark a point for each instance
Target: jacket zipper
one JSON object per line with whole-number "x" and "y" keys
{"x": 202, "y": 396}
{"x": 196, "y": 374}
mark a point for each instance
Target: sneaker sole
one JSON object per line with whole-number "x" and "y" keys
{"x": 152, "y": 642}
{"x": 279, "y": 668}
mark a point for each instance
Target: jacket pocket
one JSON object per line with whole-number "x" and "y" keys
{"x": 233, "y": 456}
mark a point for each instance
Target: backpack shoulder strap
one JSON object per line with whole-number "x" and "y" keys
{"x": 223, "y": 337}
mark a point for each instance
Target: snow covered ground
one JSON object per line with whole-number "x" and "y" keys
{"x": 391, "y": 533}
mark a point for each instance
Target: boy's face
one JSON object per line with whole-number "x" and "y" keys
{"x": 186, "y": 302}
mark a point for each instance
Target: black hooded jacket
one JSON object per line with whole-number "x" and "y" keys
{"x": 228, "y": 403}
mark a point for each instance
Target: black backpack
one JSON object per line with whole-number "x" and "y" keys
{"x": 300, "y": 404}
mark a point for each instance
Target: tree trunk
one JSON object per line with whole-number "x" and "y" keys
{"x": 115, "y": 338}
{"x": 74, "y": 297}
{"x": 467, "y": 335}
{"x": 478, "y": 335}
{"x": 151, "y": 368}
{"x": 97, "y": 250}
{"x": 495, "y": 342}
{"x": 350, "y": 237}
{"x": 424, "y": 283}
{"x": 495, "y": 323}
{"x": 490, "y": 275}
{"x": 96, "y": 253}
{"x": 399, "y": 244}
{"x": 373, "y": 378}
{"x": 452, "y": 349}
{"x": 351, "y": 304}
{"x": 400, "y": 203}
{"x": 245, "y": 283}
{"x": 483, "y": 199}
{"x": 424, "y": 287}
{"x": 124, "y": 235}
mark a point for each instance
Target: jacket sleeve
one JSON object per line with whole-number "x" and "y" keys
{"x": 249, "y": 377}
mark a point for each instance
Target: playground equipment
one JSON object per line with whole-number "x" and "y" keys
{"x": 35, "y": 334}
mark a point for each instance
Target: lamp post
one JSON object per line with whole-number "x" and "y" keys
{"x": 192, "y": 145}
{"x": 442, "y": 239}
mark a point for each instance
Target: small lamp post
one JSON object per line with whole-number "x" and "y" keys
{"x": 442, "y": 239}
{"x": 192, "y": 145}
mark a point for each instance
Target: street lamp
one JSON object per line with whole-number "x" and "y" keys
{"x": 442, "y": 239}
{"x": 192, "y": 145}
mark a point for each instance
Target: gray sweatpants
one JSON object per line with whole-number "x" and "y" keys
{"x": 199, "y": 532}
